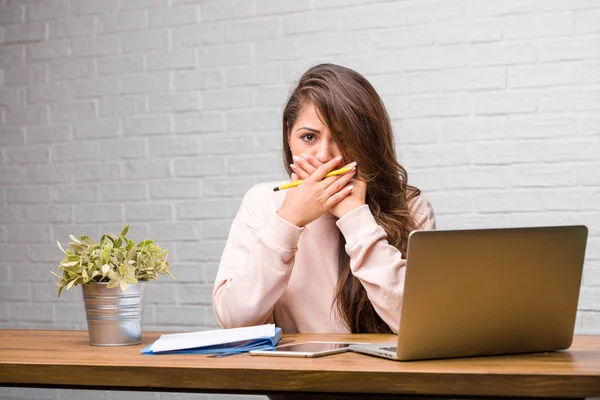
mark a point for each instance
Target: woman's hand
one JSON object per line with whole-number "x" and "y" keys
{"x": 316, "y": 195}
{"x": 306, "y": 165}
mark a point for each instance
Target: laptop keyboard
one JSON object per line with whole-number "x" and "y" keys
{"x": 393, "y": 349}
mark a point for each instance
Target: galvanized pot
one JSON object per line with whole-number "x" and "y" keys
{"x": 114, "y": 317}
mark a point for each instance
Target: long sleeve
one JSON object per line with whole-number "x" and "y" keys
{"x": 257, "y": 262}
{"x": 378, "y": 265}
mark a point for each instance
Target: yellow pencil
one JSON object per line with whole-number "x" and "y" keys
{"x": 296, "y": 183}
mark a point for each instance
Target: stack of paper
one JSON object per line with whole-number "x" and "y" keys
{"x": 220, "y": 341}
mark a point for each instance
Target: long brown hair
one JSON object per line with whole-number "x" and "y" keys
{"x": 354, "y": 113}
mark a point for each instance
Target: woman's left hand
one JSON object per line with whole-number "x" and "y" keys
{"x": 304, "y": 166}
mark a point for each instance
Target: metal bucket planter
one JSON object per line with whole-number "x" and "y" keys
{"x": 114, "y": 317}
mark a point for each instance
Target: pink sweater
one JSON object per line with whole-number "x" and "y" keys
{"x": 274, "y": 271}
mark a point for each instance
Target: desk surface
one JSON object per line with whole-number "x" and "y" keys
{"x": 65, "y": 359}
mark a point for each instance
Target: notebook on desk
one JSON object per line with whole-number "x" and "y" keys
{"x": 488, "y": 292}
{"x": 219, "y": 341}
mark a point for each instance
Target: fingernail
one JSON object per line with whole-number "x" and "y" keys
{"x": 293, "y": 176}
{"x": 305, "y": 155}
{"x": 352, "y": 165}
{"x": 350, "y": 187}
{"x": 296, "y": 158}
{"x": 338, "y": 158}
{"x": 292, "y": 166}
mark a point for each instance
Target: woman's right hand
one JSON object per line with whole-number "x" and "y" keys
{"x": 316, "y": 195}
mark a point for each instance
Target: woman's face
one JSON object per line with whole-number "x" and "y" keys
{"x": 309, "y": 135}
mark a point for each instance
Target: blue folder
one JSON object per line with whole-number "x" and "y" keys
{"x": 266, "y": 343}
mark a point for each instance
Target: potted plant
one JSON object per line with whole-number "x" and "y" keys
{"x": 112, "y": 273}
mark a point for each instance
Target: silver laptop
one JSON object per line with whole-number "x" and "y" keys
{"x": 488, "y": 292}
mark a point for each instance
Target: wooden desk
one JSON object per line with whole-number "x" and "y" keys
{"x": 64, "y": 359}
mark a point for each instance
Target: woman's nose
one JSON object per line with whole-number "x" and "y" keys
{"x": 325, "y": 151}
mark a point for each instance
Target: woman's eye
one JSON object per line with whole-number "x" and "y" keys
{"x": 308, "y": 138}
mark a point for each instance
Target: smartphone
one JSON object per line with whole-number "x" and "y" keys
{"x": 304, "y": 349}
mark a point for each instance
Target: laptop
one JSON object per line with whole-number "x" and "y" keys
{"x": 487, "y": 292}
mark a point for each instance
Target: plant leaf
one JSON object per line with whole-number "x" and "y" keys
{"x": 106, "y": 236}
{"x": 77, "y": 248}
{"x": 124, "y": 231}
{"x": 70, "y": 264}
{"x": 145, "y": 243}
{"x": 123, "y": 285}
{"x": 113, "y": 283}
{"x": 86, "y": 239}
{"x": 119, "y": 254}
{"x": 131, "y": 253}
{"x": 105, "y": 269}
{"x": 70, "y": 284}
{"x": 55, "y": 275}
{"x": 112, "y": 275}
{"x": 105, "y": 255}
{"x": 73, "y": 238}
{"x": 60, "y": 247}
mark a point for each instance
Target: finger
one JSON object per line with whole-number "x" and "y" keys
{"x": 340, "y": 181}
{"x": 350, "y": 168}
{"x": 339, "y": 196}
{"x": 312, "y": 160}
{"x": 329, "y": 180}
{"x": 301, "y": 173}
{"x": 320, "y": 172}
{"x": 304, "y": 164}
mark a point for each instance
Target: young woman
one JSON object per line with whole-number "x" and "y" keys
{"x": 329, "y": 254}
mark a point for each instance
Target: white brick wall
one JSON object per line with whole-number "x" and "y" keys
{"x": 162, "y": 113}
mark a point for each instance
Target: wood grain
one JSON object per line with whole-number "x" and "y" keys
{"x": 65, "y": 359}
